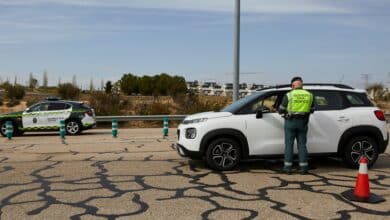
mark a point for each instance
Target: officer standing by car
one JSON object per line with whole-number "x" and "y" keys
{"x": 296, "y": 107}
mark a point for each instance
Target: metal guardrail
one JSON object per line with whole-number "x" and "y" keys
{"x": 140, "y": 118}
{"x": 159, "y": 118}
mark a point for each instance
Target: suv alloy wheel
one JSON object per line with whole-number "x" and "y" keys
{"x": 358, "y": 147}
{"x": 223, "y": 154}
{"x": 73, "y": 127}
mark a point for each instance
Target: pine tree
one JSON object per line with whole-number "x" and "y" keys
{"x": 74, "y": 81}
{"x": 45, "y": 81}
{"x": 102, "y": 85}
{"x": 91, "y": 85}
{"x": 32, "y": 82}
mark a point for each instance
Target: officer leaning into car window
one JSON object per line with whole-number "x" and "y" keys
{"x": 296, "y": 107}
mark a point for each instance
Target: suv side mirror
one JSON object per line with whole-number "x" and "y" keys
{"x": 259, "y": 114}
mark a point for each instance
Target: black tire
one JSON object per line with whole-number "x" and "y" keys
{"x": 73, "y": 127}
{"x": 359, "y": 146}
{"x": 3, "y": 129}
{"x": 223, "y": 154}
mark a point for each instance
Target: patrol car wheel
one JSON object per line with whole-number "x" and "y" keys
{"x": 223, "y": 154}
{"x": 358, "y": 147}
{"x": 3, "y": 129}
{"x": 73, "y": 127}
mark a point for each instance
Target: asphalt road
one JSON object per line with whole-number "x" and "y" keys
{"x": 139, "y": 176}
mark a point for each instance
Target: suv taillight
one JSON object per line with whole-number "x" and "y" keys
{"x": 90, "y": 113}
{"x": 380, "y": 115}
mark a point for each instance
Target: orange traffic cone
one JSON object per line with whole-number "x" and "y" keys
{"x": 362, "y": 188}
{"x": 361, "y": 193}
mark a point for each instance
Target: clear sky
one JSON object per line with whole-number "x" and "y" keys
{"x": 322, "y": 40}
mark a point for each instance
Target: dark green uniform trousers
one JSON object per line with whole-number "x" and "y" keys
{"x": 295, "y": 128}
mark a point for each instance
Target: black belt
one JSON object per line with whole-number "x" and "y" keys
{"x": 297, "y": 116}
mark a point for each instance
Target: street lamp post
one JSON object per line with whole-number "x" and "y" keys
{"x": 236, "y": 75}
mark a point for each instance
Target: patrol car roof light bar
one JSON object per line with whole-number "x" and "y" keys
{"x": 52, "y": 98}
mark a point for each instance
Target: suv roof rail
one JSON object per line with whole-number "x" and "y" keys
{"x": 341, "y": 86}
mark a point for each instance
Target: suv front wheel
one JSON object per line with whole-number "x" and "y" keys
{"x": 358, "y": 147}
{"x": 3, "y": 130}
{"x": 223, "y": 154}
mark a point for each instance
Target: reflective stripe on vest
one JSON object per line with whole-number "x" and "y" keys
{"x": 299, "y": 101}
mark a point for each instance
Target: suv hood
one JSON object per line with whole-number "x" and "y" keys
{"x": 209, "y": 115}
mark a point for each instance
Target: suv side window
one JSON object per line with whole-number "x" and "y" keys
{"x": 55, "y": 106}
{"x": 44, "y": 106}
{"x": 327, "y": 100}
{"x": 34, "y": 108}
{"x": 268, "y": 103}
{"x": 357, "y": 99}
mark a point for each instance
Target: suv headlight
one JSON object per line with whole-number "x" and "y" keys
{"x": 191, "y": 133}
{"x": 193, "y": 121}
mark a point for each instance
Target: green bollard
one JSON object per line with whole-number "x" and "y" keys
{"x": 62, "y": 129}
{"x": 165, "y": 128}
{"x": 9, "y": 129}
{"x": 114, "y": 128}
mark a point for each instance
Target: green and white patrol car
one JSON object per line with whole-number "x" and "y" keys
{"x": 46, "y": 116}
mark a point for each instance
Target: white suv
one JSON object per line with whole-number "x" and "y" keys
{"x": 345, "y": 124}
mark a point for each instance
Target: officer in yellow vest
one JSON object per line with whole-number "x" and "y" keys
{"x": 296, "y": 108}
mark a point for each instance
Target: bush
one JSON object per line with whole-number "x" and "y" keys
{"x": 191, "y": 103}
{"x": 12, "y": 103}
{"x": 15, "y": 92}
{"x": 4, "y": 85}
{"x": 32, "y": 101}
{"x": 68, "y": 91}
{"x": 156, "y": 108}
{"x": 107, "y": 104}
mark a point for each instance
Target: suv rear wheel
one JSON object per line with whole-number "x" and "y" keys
{"x": 223, "y": 154}
{"x": 358, "y": 147}
{"x": 73, "y": 127}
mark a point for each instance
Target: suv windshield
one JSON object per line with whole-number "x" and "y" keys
{"x": 235, "y": 106}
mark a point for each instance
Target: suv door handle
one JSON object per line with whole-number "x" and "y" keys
{"x": 343, "y": 119}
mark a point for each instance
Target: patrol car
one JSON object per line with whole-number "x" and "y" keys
{"x": 345, "y": 124}
{"x": 46, "y": 116}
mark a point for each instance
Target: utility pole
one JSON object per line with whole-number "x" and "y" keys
{"x": 388, "y": 81}
{"x": 236, "y": 75}
{"x": 365, "y": 78}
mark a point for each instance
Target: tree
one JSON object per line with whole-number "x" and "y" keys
{"x": 91, "y": 85}
{"x": 145, "y": 85}
{"x": 45, "y": 80}
{"x": 162, "y": 84}
{"x": 177, "y": 86}
{"x": 129, "y": 84}
{"x": 74, "y": 81}
{"x": 102, "y": 85}
{"x": 108, "y": 87}
{"x": 378, "y": 92}
{"x": 32, "y": 82}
